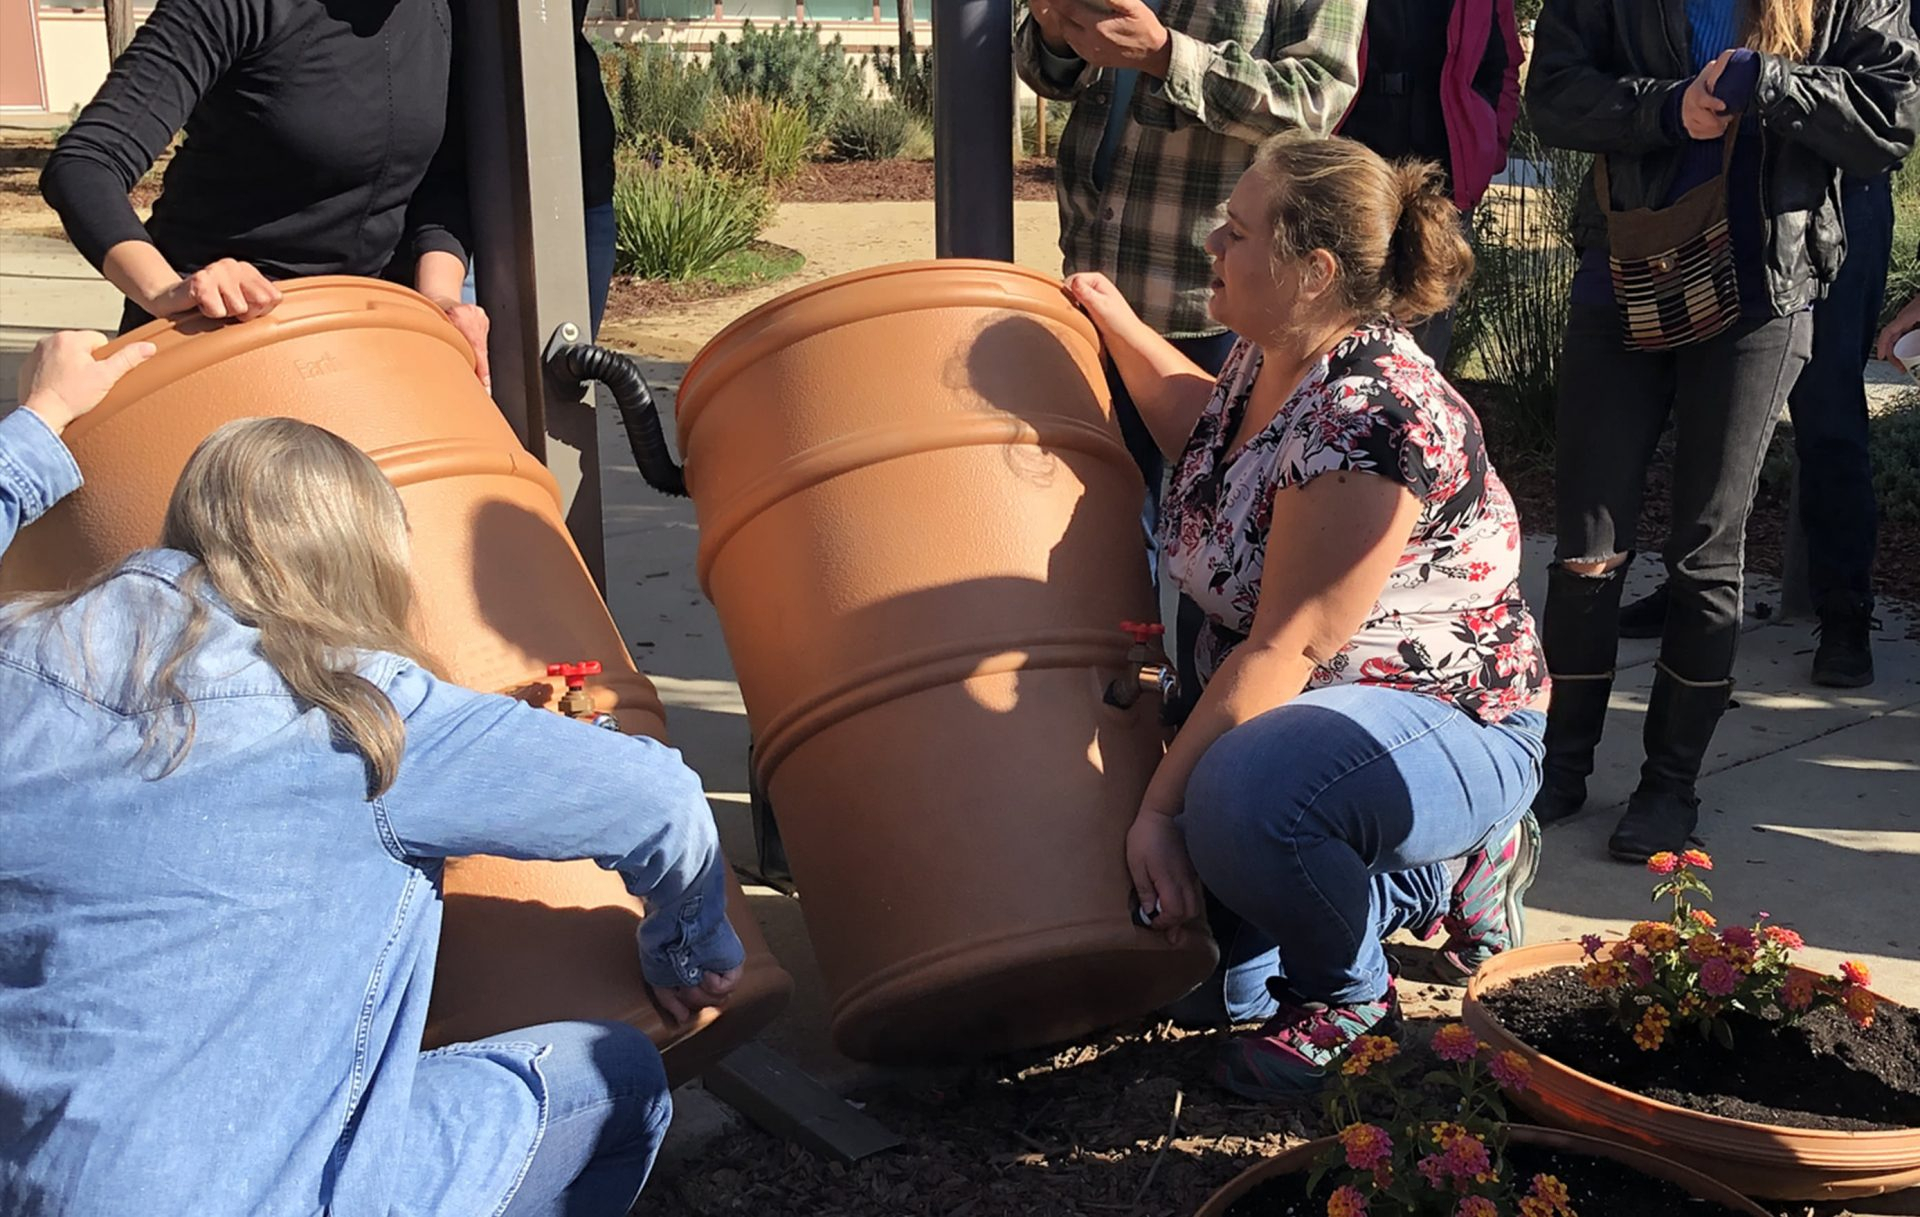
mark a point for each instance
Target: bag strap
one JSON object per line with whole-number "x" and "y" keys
{"x": 1602, "y": 184}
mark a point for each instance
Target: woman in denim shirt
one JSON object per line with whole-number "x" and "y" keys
{"x": 228, "y": 780}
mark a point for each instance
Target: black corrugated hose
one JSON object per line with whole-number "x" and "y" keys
{"x": 638, "y": 415}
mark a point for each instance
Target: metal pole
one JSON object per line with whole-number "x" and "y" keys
{"x": 523, "y": 158}
{"x": 972, "y": 113}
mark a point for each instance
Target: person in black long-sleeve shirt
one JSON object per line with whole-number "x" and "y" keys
{"x": 321, "y": 138}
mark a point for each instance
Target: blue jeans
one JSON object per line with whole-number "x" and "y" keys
{"x": 607, "y": 1110}
{"x": 602, "y": 237}
{"x": 1324, "y": 825}
{"x": 1829, "y": 401}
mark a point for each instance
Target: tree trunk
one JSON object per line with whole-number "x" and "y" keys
{"x": 119, "y": 27}
{"x": 906, "y": 35}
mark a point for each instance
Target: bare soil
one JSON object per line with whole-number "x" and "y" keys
{"x": 1823, "y": 1073}
{"x": 899, "y": 181}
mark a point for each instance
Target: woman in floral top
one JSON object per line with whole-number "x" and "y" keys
{"x": 1368, "y": 737}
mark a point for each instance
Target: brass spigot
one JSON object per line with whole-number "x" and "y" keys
{"x": 575, "y": 702}
{"x": 1149, "y": 672}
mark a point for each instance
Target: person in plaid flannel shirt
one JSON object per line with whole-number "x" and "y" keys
{"x": 1170, "y": 99}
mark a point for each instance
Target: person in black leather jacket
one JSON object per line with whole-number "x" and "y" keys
{"x": 1806, "y": 90}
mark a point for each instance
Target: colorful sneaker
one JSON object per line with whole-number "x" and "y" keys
{"x": 1298, "y": 1049}
{"x": 1487, "y": 914}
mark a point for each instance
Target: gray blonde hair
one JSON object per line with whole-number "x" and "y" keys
{"x": 306, "y": 540}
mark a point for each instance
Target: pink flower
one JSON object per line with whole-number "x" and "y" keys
{"x": 1326, "y": 1036}
{"x": 1511, "y": 1070}
{"x": 1367, "y": 1146}
{"x": 1797, "y": 994}
{"x": 1785, "y": 937}
{"x": 1697, "y": 859}
{"x": 1590, "y": 944}
{"x": 1663, "y": 863}
{"x": 1718, "y": 978}
{"x": 1455, "y": 1042}
{"x": 1477, "y": 1206}
{"x": 1739, "y": 936}
{"x": 1347, "y": 1202}
{"x": 1855, "y": 973}
{"x": 1642, "y": 969}
{"x": 1467, "y": 1158}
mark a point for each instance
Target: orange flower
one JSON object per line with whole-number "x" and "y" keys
{"x": 1605, "y": 975}
{"x": 1697, "y": 859}
{"x": 1477, "y": 1206}
{"x": 1663, "y": 863}
{"x": 1511, "y": 1070}
{"x": 1550, "y": 1189}
{"x": 1703, "y": 917}
{"x": 1533, "y": 1206}
{"x": 1703, "y": 946}
{"x": 1855, "y": 973}
{"x": 1651, "y": 1031}
{"x": 1367, "y": 1146}
{"x": 1347, "y": 1202}
{"x": 1456, "y": 1042}
{"x": 1860, "y": 1006}
{"x": 1368, "y": 1051}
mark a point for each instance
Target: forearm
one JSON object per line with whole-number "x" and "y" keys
{"x": 1167, "y": 388}
{"x": 439, "y": 276}
{"x": 141, "y": 272}
{"x": 1253, "y": 680}
{"x": 36, "y": 470}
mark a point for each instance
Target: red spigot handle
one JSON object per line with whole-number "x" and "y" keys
{"x": 1143, "y": 631}
{"x": 576, "y": 673}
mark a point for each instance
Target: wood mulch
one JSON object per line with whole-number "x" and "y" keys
{"x": 898, "y": 181}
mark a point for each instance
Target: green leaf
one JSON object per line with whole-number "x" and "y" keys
{"x": 1723, "y": 1032}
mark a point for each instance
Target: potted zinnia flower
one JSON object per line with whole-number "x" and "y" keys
{"x": 1707, "y": 1043}
{"x": 1416, "y": 1140}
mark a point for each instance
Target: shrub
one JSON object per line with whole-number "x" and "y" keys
{"x": 1896, "y": 461}
{"x": 766, "y": 142}
{"x": 871, "y": 131}
{"x": 662, "y": 101}
{"x": 677, "y": 220}
{"x": 1057, "y": 114}
{"x": 1513, "y": 318}
{"x": 789, "y": 63}
{"x": 908, "y": 81}
{"x": 1688, "y": 970}
{"x": 919, "y": 145}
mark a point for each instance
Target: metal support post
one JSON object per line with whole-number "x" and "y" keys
{"x": 523, "y": 156}
{"x": 972, "y": 113}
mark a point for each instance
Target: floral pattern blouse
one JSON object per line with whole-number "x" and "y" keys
{"x": 1451, "y": 622}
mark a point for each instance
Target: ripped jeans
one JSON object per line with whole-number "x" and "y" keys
{"x": 1724, "y": 396}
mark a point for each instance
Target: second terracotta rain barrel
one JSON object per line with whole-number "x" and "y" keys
{"x": 502, "y": 593}
{"x": 921, "y": 531}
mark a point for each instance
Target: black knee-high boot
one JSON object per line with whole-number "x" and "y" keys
{"x": 1581, "y": 633}
{"x": 1664, "y": 811}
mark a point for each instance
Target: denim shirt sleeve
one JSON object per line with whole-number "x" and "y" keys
{"x": 36, "y": 471}
{"x": 485, "y": 774}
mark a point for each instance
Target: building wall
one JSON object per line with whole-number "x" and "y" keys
{"x": 73, "y": 40}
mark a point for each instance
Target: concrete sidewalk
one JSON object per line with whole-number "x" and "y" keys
{"x": 1812, "y": 799}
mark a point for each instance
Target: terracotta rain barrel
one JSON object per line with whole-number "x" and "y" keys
{"x": 920, "y": 528}
{"x": 502, "y": 593}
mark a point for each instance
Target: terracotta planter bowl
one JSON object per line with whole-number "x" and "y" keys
{"x": 1759, "y": 1159}
{"x": 1300, "y": 1158}
{"x": 921, "y": 532}
{"x": 502, "y": 592}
